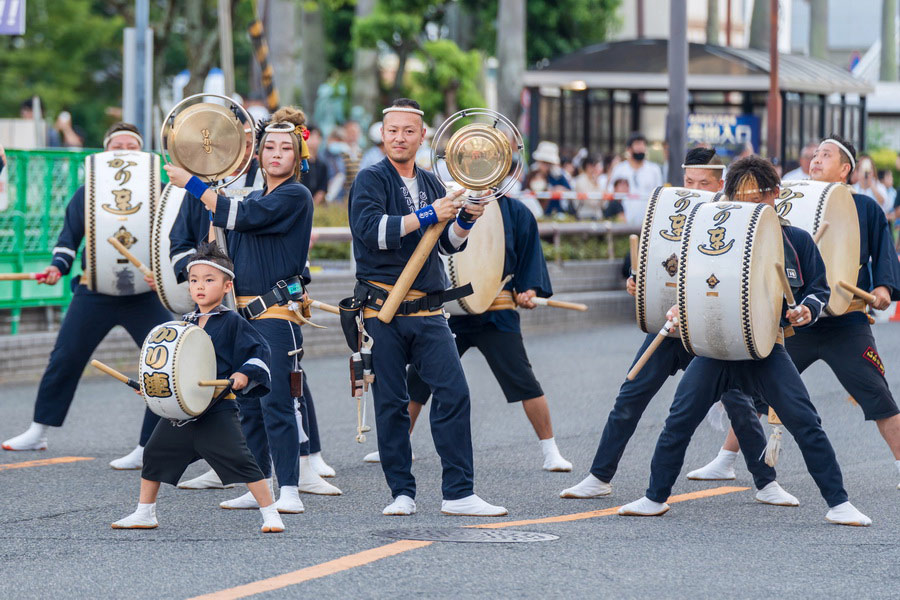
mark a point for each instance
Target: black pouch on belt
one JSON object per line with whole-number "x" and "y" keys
{"x": 350, "y": 309}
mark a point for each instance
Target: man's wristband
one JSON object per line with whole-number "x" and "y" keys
{"x": 463, "y": 224}
{"x": 427, "y": 216}
{"x": 195, "y": 187}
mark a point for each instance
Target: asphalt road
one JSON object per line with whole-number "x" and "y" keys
{"x": 55, "y": 539}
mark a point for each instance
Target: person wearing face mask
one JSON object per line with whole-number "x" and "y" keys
{"x": 90, "y": 316}
{"x": 643, "y": 177}
{"x": 267, "y": 235}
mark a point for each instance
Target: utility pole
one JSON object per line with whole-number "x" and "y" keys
{"x": 728, "y": 23}
{"x": 226, "y": 52}
{"x": 712, "y": 21}
{"x": 678, "y": 93}
{"x": 773, "y": 106}
{"x": 142, "y": 109}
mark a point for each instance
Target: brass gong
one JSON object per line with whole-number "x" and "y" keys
{"x": 478, "y": 156}
{"x": 205, "y": 139}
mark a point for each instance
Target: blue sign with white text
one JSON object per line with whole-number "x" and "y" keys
{"x": 728, "y": 134}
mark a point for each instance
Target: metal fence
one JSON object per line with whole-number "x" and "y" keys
{"x": 39, "y": 185}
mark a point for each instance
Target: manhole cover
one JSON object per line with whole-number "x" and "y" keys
{"x": 461, "y": 534}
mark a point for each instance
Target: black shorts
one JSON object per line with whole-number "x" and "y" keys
{"x": 851, "y": 353}
{"x": 215, "y": 437}
{"x": 505, "y": 355}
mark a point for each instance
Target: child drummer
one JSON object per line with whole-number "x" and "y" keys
{"x": 242, "y": 355}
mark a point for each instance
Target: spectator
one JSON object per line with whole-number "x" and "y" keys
{"x": 642, "y": 175}
{"x": 806, "y": 156}
{"x": 614, "y": 209}
{"x": 547, "y": 170}
{"x": 317, "y": 178}
{"x": 352, "y": 154}
{"x": 886, "y": 178}
{"x": 30, "y": 110}
{"x": 333, "y": 157}
{"x": 865, "y": 181}
{"x": 70, "y": 135}
{"x": 376, "y": 152}
{"x": 589, "y": 182}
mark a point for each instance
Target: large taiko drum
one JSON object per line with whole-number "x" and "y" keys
{"x": 175, "y": 357}
{"x": 810, "y": 204}
{"x": 121, "y": 189}
{"x": 729, "y": 293}
{"x": 176, "y": 297}
{"x": 660, "y": 242}
{"x": 481, "y": 263}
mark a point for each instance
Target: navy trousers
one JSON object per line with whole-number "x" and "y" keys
{"x": 427, "y": 344}
{"x": 269, "y": 423}
{"x": 632, "y": 401}
{"x": 88, "y": 319}
{"x": 308, "y": 412}
{"x": 776, "y": 379}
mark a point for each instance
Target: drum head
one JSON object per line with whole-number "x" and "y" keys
{"x": 481, "y": 263}
{"x": 207, "y": 140}
{"x": 176, "y": 297}
{"x": 478, "y": 156}
{"x": 195, "y": 360}
{"x": 765, "y": 291}
{"x": 810, "y": 204}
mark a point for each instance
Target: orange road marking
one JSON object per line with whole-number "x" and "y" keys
{"x": 43, "y": 462}
{"x": 610, "y": 511}
{"x": 315, "y": 572}
{"x": 368, "y": 556}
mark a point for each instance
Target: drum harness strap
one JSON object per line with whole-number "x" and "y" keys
{"x": 283, "y": 292}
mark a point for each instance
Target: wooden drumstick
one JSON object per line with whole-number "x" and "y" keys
{"x": 131, "y": 257}
{"x": 663, "y": 334}
{"x": 215, "y": 382}
{"x": 822, "y": 229}
{"x": 113, "y": 373}
{"x": 22, "y": 276}
{"x": 326, "y": 307}
{"x": 410, "y": 272}
{"x": 866, "y": 296}
{"x": 786, "y": 286}
{"x": 560, "y": 304}
{"x": 633, "y": 244}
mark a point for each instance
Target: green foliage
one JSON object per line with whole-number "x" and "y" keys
{"x": 400, "y": 31}
{"x": 337, "y": 17}
{"x": 331, "y": 215}
{"x": 70, "y": 56}
{"x": 584, "y": 248}
{"x": 553, "y": 28}
{"x": 451, "y": 78}
{"x": 884, "y": 158}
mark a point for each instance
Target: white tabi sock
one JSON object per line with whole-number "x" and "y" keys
{"x": 847, "y": 514}
{"x": 553, "y": 460}
{"x": 402, "y": 506}
{"x": 289, "y": 501}
{"x": 312, "y": 483}
{"x": 320, "y": 466}
{"x": 644, "y": 507}
{"x": 775, "y": 495}
{"x": 897, "y": 463}
{"x": 132, "y": 461}
{"x": 142, "y": 518}
{"x": 34, "y": 438}
{"x": 245, "y": 502}
{"x": 272, "y": 522}
{"x": 589, "y": 487}
{"x": 720, "y": 468}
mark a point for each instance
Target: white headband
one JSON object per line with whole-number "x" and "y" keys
{"x": 843, "y": 148}
{"x": 406, "y": 109}
{"x": 136, "y": 136}
{"x": 280, "y": 127}
{"x": 713, "y": 167}
{"x": 763, "y": 191}
{"x": 211, "y": 264}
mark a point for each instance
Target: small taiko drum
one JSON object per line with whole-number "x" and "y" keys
{"x": 175, "y": 357}
{"x": 657, "y": 262}
{"x": 729, "y": 294}
{"x": 176, "y": 297}
{"x": 481, "y": 263}
{"x": 809, "y": 205}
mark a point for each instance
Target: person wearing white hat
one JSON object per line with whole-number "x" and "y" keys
{"x": 547, "y": 168}
{"x": 376, "y": 152}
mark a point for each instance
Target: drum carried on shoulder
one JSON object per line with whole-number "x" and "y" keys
{"x": 121, "y": 190}
{"x": 658, "y": 252}
{"x": 177, "y": 371}
{"x": 828, "y": 213}
{"x": 729, "y": 293}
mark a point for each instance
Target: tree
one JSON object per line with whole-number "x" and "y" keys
{"x": 70, "y": 56}
{"x": 450, "y": 82}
